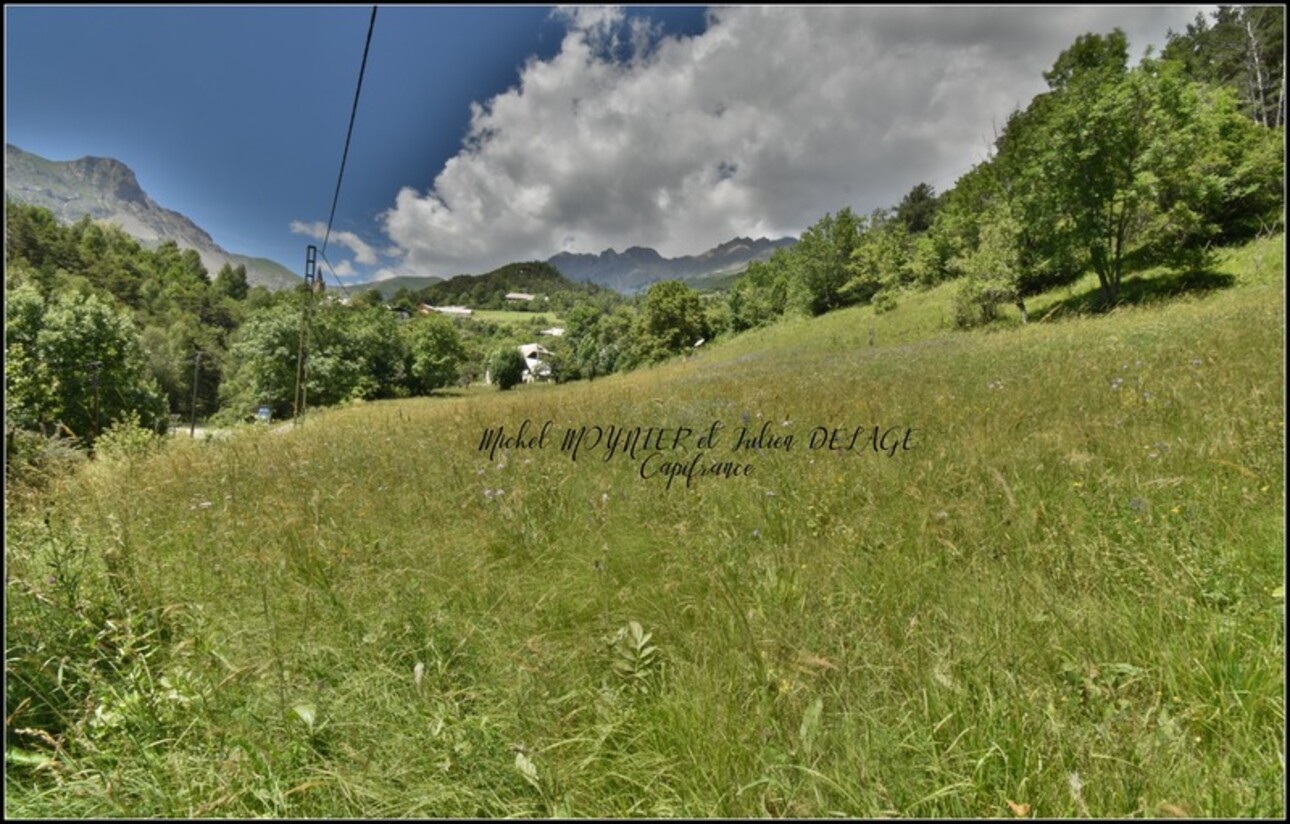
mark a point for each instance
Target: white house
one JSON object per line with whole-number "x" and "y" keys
{"x": 538, "y": 369}
{"x": 525, "y": 296}
{"x": 554, "y": 331}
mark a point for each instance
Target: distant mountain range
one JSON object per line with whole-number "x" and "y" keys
{"x": 638, "y": 267}
{"x": 106, "y": 189}
{"x": 635, "y": 269}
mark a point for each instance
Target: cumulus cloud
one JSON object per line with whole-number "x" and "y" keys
{"x": 344, "y": 269}
{"x": 363, "y": 253}
{"x": 756, "y": 127}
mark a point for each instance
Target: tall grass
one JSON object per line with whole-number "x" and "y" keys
{"x": 1065, "y": 598}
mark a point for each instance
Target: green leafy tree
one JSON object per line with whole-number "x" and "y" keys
{"x": 822, "y": 260}
{"x": 880, "y": 260}
{"x": 1242, "y": 48}
{"x": 917, "y": 209}
{"x": 993, "y": 271}
{"x": 506, "y": 367}
{"x": 767, "y": 291}
{"x": 171, "y": 348}
{"x": 1115, "y": 140}
{"x": 73, "y": 363}
{"x": 672, "y": 320}
{"x": 435, "y": 352}
{"x": 262, "y": 363}
{"x": 367, "y": 297}
{"x": 231, "y": 282}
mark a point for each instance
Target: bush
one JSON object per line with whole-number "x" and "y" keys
{"x": 884, "y": 301}
{"x": 126, "y": 439}
{"x": 978, "y": 301}
{"x": 506, "y": 365}
{"x": 33, "y": 461}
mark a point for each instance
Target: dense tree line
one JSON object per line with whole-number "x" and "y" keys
{"x": 100, "y": 329}
{"x": 1243, "y": 48}
{"x": 112, "y": 299}
{"x": 1113, "y": 169}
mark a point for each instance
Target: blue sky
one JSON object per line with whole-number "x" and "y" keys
{"x": 489, "y": 134}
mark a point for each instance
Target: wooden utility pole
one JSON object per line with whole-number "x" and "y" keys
{"x": 192, "y": 426}
{"x": 95, "y": 366}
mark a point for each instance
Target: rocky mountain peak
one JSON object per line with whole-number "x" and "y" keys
{"x": 110, "y": 176}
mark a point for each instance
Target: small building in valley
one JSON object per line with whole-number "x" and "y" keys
{"x": 538, "y": 369}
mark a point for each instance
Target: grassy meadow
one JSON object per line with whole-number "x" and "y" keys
{"x": 513, "y": 318}
{"x": 1064, "y": 600}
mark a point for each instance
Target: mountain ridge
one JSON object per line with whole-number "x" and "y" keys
{"x": 637, "y": 267}
{"x": 105, "y": 188}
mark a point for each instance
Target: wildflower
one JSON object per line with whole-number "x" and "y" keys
{"x": 1175, "y": 510}
{"x": 1077, "y": 792}
{"x": 1077, "y": 484}
{"x": 756, "y": 534}
{"x": 604, "y": 499}
{"x": 1115, "y": 384}
{"x": 1195, "y": 361}
{"x": 488, "y": 493}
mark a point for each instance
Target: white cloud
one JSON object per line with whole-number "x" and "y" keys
{"x": 760, "y": 125}
{"x": 344, "y": 269}
{"x": 363, "y": 253}
{"x": 395, "y": 272}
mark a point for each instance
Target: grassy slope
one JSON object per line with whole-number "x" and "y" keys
{"x": 1072, "y": 574}
{"x": 504, "y": 316}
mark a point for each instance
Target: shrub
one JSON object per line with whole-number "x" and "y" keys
{"x": 506, "y": 365}
{"x": 977, "y": 302}
{"x": 884, "y": 301}
{"x": 126, "y": 439}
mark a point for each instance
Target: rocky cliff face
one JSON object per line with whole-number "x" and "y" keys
{"x": 107, "y": 189}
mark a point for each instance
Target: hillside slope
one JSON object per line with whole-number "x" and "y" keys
{"x": 106, "y": 189}
{"x": 1065, "y": 595}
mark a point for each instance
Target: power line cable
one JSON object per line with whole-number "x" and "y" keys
{"x": 352, "y": 116}
{"x": 302, "y": 369}
{"x": 339, "y": 282}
